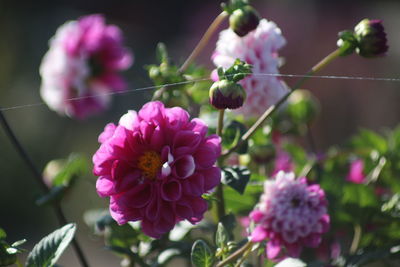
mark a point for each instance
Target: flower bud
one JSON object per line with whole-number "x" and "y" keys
{"x": 243, "y": 20}
{"x": 371, "y": 38}
{"x": 227, "y": 94}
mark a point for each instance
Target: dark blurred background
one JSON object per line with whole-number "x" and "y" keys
{"x": 310, "y": 28}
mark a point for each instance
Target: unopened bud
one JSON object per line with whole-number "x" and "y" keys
{"x": 371, "y": 38}
{"x": 227, "y": 94}
{"x": 243, "y": 20}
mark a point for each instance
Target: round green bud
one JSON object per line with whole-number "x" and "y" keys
{"x": 244, "y": 20}
{"x": 227, "y": 94}
{"x": 371, "y": 38}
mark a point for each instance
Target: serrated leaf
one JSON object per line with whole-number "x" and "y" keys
{"x": 236, "y": 177}
{"x": 221, "y": 236}
{"x": 201, "y": 255}
{"x": 49, "y": 249}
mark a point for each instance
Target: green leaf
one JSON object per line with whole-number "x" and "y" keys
{"x": 75, "y": 166}
{"x": 369, "y": 140}
{"x": 3, "y": 234}
{"x": 359, "y": 194}
{"x": 201, "y": 255}
{"x": 242, "y": 204}
{"x": 221, "y": 236}
{"x": 49, "y": 249}
{"x": 236, "y": 177}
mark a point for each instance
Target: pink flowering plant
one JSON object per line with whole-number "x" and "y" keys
{"x": 213, "y": 147}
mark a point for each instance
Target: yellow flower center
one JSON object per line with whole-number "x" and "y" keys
{"x": 149, "y": 163}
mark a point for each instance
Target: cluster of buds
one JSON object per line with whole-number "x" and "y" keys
{"x": 368, "y": 39}
{"x": 243, "y": 17}
{"x": 227, "y": 93}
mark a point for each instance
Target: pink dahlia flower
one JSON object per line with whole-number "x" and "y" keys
{"x": 260, "y": 49}
{"x": 291, "y": 214}
{"x": 155, "y": 165}
{"x": 83, "y": 62}
{"x": 356, "y": 173}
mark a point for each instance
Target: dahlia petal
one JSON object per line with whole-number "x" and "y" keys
{"x": 108, "y": 132}
{"x": 152, "y": 112}
{"x": 105, "y": 186}
{"x": 293, "y": 250}
{"x": 183, "y": 210}
{"x": 194, "y": 185}
{"x": 129, "y": 120}
{"x": 256, "y": 216}
{"x": 259, "y": 234}
{"x": 204, "y": 157}
{"x": 149, "y": 229}
{"x": 185, "y": 142}
{"x": 184, "y": 167}
{"x": 273, "y": 248}
{"x": 153, "y": 208}
{"x": 212, "y": 178}
{"x": 126, "y": 216}
{"x": 157, "y": 139}
{"x": 176, "y": 117}
{"x": 171, "y": 190}
{"x": 198, "y": 126}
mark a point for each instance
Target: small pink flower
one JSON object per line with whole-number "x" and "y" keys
{"x": 356, "y": 173}
{"x": 83, "y": 61}
{"x": 260, "y": 49}
{"x": 155, "y": 165}
{"x": 291, "y": 214}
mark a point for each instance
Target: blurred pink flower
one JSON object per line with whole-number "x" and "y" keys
{"x": 155, "y": 165}
{"x": 356, "y": 173}
{"x": 83, "y": 62}
{"x": 291, "y": 214}
{"x": 260, "y": 49}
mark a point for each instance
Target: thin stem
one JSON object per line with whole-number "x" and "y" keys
{"x": 236, "y": 254}
{"x": 320, "y": 65}
{"x": 356, "y": 239}
{"x": 204, "y": 40}
{"x": 220, "y": 189}
{"x": 314, "y": 150}
{"x": 39, "y": 179}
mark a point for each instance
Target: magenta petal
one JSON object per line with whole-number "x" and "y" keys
{"x": 137, "y": 197}
{"x": 171, "y": 190}
{"x": 293, "y": 250}
{"x": 153, "y": 208}
{"x": 152, "y": 112}
{"x": 205, "y": 157}
{"x": 195, "y": 184}
{"x": 149, "y": 229}
{"x": 212, "y": 178}
{"x": 176, "y": 117}
{"x": 259, "y": 234}
{"x": 126, "y": 216}
{"x": 273, "y": 249}
{"x": 185, "y": 142}
{"x": 157, "y": 139}
{"x": 184, "y": 167}
{"x": 256, "y": 216}
{"x": 183, "y": 210}
{"x": 198, "y": 126}
{"x": 107, "y": 133}
{"x": 105, "y": 186}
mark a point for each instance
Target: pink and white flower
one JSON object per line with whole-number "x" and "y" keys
{"x": 260, "y": 49}
{"x": 80, "y": 70}
{"x": 155, "y": 165}
{"x": 291, "y": 214}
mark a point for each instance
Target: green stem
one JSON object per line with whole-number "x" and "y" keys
{"x": 356, "y": 239}
{"x": 247, "y": 247}
{"x": 320, "y": 65}
{"x": 204, "y": 40}
{"x": 220, "y": 190}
